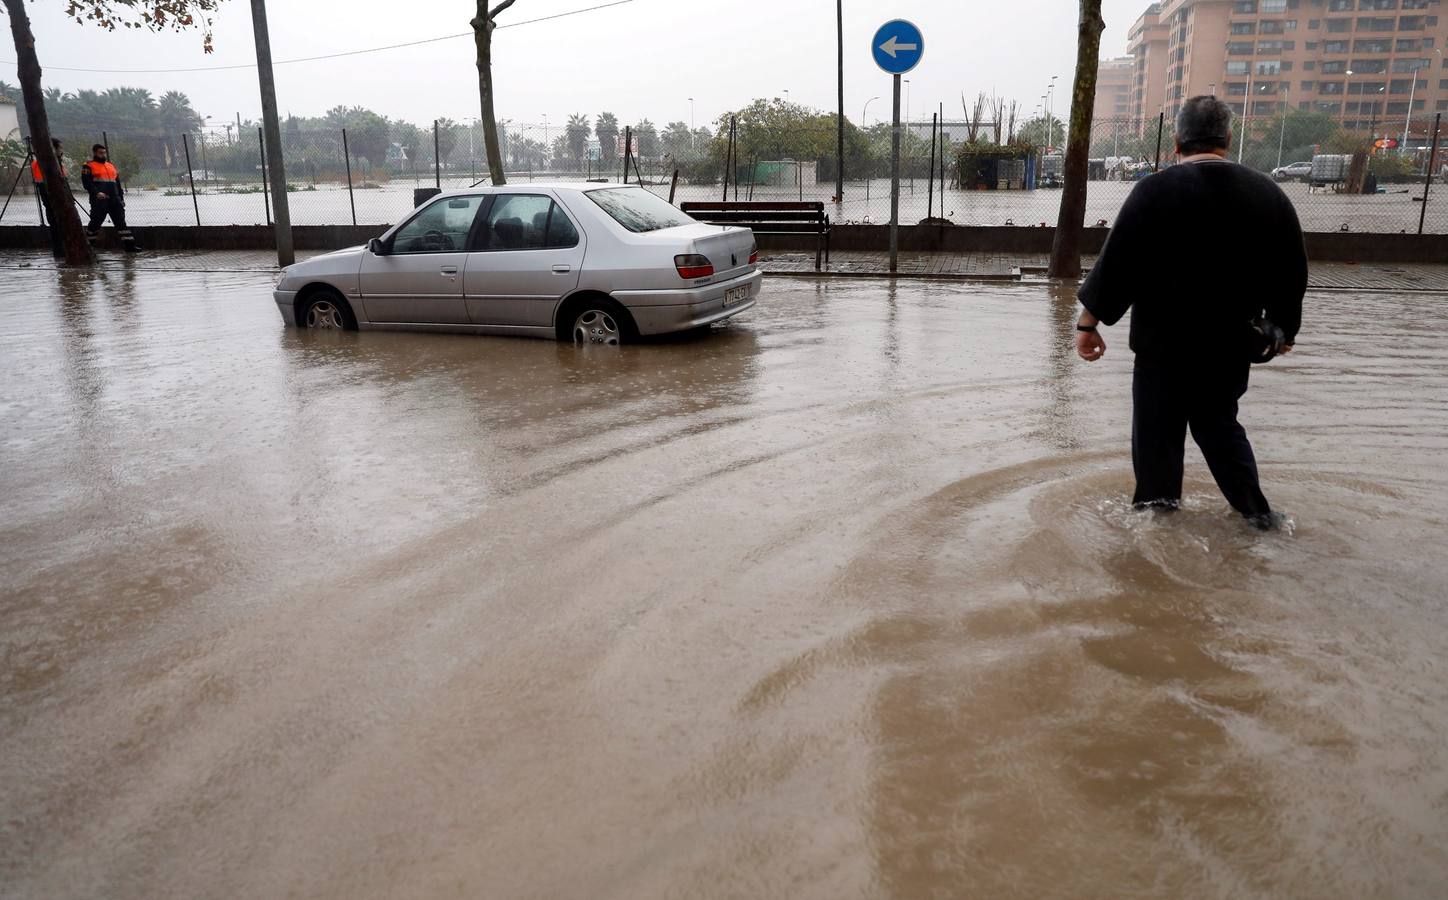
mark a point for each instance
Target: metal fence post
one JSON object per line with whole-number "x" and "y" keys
{"x": 436, "y": 160}
{"x": 265, "y": 188}
{"x": 347, "y": 154}
{"x": 1428, "y": 179}
{"x": 191, "y": 176}
{"x": 627, "y": 143}
{"x": 1160, "y": 124}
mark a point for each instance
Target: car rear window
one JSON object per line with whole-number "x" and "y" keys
{"x": 638, "y": 210}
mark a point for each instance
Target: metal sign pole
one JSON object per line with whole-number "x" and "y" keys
{"x": 895, "y": 177}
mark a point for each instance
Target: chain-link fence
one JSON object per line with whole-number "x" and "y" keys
{"x": 959, "y": 171}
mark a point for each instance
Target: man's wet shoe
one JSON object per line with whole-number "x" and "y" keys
{"x": 1270, "y": 521}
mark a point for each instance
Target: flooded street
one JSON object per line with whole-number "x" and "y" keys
{"x": 846, "y": 599}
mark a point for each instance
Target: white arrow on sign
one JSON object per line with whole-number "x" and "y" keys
{"x": 892, "y": 45}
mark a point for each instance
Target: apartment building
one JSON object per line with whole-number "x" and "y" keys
{"x": 1113, "y": 89}
{"x": 1366, "y": 62}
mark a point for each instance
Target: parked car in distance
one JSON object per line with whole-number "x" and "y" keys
{"x": 1298, "y": 171}
{"x": 591, "y": 263}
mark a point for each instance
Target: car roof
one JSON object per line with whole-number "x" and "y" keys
{"x": 524, "y": 187}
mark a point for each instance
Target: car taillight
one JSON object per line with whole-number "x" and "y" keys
{"x": 753, "y": 254}
{"x": 693, "y": 265}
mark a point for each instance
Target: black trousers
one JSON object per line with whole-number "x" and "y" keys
{"x": 1170, "y": 397}
{"x": 57, "y": 244}
{"x": 108, "y": 207}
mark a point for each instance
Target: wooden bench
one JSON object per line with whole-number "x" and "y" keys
{"x": 768, "y": 217}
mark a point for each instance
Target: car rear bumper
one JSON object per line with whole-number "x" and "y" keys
{"x": 287, "y": 304}
{"x": 660, "y": 312}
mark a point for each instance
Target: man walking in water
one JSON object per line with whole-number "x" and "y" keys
{"x": 1198, "y": 252}
{"x": 107, "y": 197}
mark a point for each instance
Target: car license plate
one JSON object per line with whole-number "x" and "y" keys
{"x": 736, "y": 295}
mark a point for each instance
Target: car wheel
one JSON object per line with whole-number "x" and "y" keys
{"x": 327, "y": 310}
{"x": 600, "y": 322}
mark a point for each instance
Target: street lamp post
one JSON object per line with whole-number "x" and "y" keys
{"x": 1408, "y": 120}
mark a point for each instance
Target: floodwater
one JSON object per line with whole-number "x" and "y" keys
{"x": 843, "y": 600}
{"x": 1393, "y": 211}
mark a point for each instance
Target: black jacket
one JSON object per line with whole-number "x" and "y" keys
{"x": 1197, "y": 251}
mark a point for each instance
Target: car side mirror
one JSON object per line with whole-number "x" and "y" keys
{"x": 375, "y": 247}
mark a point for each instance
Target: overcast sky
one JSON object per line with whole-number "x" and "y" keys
{"x": 644, "y": 58}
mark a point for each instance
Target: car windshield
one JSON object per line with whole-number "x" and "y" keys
{"x": 638, "y": 210}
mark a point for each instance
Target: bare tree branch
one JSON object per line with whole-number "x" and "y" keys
{"x": 500, "y": 7}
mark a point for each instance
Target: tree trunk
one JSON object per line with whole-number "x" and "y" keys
{"x": 77, "y": 249}
{"x": 1066, "y": 248}
{"x": 483, "y": 36}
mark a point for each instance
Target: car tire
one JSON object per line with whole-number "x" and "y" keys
{"x": 324, "y": 309}
{"x": 597, "y": 321}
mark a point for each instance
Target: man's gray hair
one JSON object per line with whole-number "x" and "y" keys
{"x": 1204, "y": 123}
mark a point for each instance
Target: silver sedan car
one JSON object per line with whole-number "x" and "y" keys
{"x": 592, "y": 263}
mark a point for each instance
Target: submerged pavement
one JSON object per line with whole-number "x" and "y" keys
{"x": 845, "y": 599}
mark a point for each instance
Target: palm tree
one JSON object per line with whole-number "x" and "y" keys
{"x": 577, "y": 132}
{"x": 607, "y": 131}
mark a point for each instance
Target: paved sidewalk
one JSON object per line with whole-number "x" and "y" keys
{"x": 1005, "y": 266}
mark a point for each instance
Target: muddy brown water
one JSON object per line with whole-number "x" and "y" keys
{"x": 845, "y": 600}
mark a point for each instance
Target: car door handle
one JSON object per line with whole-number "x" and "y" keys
{"x": 562, "y": 269}
{"x": 449, "y": 271}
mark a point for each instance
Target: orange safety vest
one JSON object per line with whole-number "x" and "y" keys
{"x": 102, "y": 171}
{"x": 39, "y": 178}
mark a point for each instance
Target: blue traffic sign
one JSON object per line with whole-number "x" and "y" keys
{"x": 897, "y": 46}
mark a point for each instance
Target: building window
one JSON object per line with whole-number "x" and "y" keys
{"x": 1339, "y": 25}
{"x": 1339, "y": 5}
{"x": 1377, "y": 4}
{"x": 1272, "y": 26}
{"x": 1245, "y": 27}
{"x": 1328, "y": 107}
{"x": 1329, "y": 87}
{"x": 1377, "y": 23}
{"x": 1372, "y": 45}
{"x": 1442, "y": 106}
{"x": 1334, "y": 46}
{"x": 1411, "y": 64}
{"x": 1369, "y": 66}
{"x": 1236, "y": 89}
{"x": 1245, "y": 6}
{"x": 1334, "y": 67}
{"x": 1309, "y": 65}
{"x": 1416, "y": 4}
{"x": 1239, "y": 48}
{"x": 1236, "y": 67}
{"x": 1289, "y": 24}
{"x": 1264, "y": 108}
{"x": 1443, "y": 84}
{"x": 1400, "y": 86}
{"x": 1408, "y": 44}
{"x": 1272, "y": 47}
{"x": 1410, "y": 23}
{"x": 1308, "y": 85}
{"x": 1366, "y": 87}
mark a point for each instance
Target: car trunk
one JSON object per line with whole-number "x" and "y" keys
{"x": 727, "y": 248}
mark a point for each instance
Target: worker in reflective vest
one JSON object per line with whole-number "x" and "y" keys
{"x": 107, "y": 197}
{"x": 57, "y": 245}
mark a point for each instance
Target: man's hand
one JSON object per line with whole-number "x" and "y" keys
{"x": 100, "y": 196}
{"x": 1090, "y": 345}
{"x": 1286, "y": 349}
